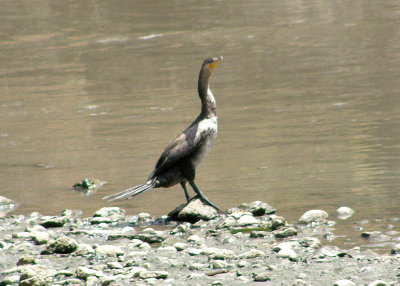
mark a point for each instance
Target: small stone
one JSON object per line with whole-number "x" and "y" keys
{"x": 6, "y": 205}
{"x": 52, "y": 221}
{"x": 313, "y": 215}
{"x": 83, "y": 272}
{"x": 62, "y": 245}
{"x": 286, "y": 232}
{"x": 180, "y": 246}
{"x": 84, "y": 250}
{"x": 261, "y": 277}
{"x": 253, "y": 253}
{"x": 288, "y": 253}
{"x": 220, "y": 264}
{"x": 150, "y": 235}
{"x": 113, "y": 213}
{"x": 242, "y": 263}
{"x": 258, "y": 208}
{"x": 196, "y": 239}
{"x": 299, "y": 282}
{"x": 194, "y": 251}
{"x": 167, "y": 250}
{"x": 153, "y": 274}
{"x": 26, "y": 259}
{"x": 114, "y": 265}
{"x": 395, "y": 249}
{"x": 344, "y": 213}
{"x": 246, "y": 220}
{"x": 344, "y": 282}
{"x": 196, "y": 266}
{"x": 378, "y": 283}
{"x": 100, "y": 220}
{"x": 109, "y": 250}
{"x": 40, "y": 237}
{"x": 375, "y": 236}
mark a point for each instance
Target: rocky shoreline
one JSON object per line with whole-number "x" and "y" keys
{"x": 248, "y": 245}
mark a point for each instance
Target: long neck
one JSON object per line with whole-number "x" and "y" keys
{"x": 208, "y": 104}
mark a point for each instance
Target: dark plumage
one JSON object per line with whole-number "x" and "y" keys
{"x": 178, "y": 162}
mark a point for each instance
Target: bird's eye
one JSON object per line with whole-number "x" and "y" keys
{"x": 210, "y": 60}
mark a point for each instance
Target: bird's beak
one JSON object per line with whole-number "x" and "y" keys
{"x": 214, "y": 64}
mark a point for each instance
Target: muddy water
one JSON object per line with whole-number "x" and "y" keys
{"x": 308, "y": 102}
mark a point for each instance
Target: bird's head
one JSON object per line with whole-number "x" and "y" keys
{"x": 210, "y": 64}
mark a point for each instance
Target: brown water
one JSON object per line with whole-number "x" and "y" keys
{"x": 308, "y": 102}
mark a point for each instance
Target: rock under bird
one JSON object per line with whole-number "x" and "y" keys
{"x": 177, "y": 164}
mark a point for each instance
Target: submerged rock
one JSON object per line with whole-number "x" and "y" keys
{"x": 313, "y": 215}
{"x": 6, "y": 205}
{"x": 344, "y": 212}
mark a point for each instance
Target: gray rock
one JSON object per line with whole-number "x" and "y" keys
{"x": 100, "y": 220}
{"x": 376, "y": 236}
{"x": 288, "y": 253}
{"x": 180, "y": 246}
{"x": 35, "y": 275}
{"x": 26, "y": 259}
{"x": 344, "y": 282}
{"x": 378, "y": 283}
{"x": 220, "y": 264}
{"x": 113, "y": 213}
{"x": 40, "y": 237}
{"x": 6, "y": 205}
{"x": 261, "y": 277}
{"x": 286, "y": 232}
{"x": 344, "y": 212}
{"x": 252, "y": 253}
{"x": 193, "y": 211}
{"x": 150, "y": 235}
{"x": 114, "y": 265}
{"x": 246, "y": 220}
{"x": 84, "y": 272}
{"x": 299, "y": 282}
{"x": 395, "y": 249}
{"x": 109, "y": 250}
{"x": 219, "y": 253}
{"x": 153, "y": 274}
{"x": 196, "y": 266}
{"x": 258, "y": 208}
{"x": 52, "y": 221}
{"x": 313, "y": 215}
{"x": 62, "y": 245}
{"x": 84, "y": 250}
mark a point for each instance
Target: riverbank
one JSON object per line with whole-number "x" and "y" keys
{"x": 248, "y": 245}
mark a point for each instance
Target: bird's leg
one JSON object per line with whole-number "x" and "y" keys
{"x": 183, "y": 184}
{"x": 203, "y": 197}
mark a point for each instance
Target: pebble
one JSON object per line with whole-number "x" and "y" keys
{"x": 84, "y": 272}
{"x": 109, "y": 250}
{"x": 344, "y": 213}
{"x": 62, "y": 245}
{"x": 113, "y": 213}
{"x": 378, "y": 283}
{"x": 180, "y": 246}
{"x": 261, "y": 277}
{"x": 153, "y": 274}
{"x": 246, "y": 220}
{"x": 219, "y": 264}
{"x": 52, "y": 221}
{"x": 313, "y": 215}
{"x": 252, "y": 253}
{"x": 288, "y": 253}
{"x": 344, "y": 283}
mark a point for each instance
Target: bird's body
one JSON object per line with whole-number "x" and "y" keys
{"x": 178, "y": 162}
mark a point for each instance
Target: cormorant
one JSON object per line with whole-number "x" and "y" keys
{"x": 178, "y": 162}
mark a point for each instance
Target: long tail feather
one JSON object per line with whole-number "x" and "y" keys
{"x": 129, "y": 193}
